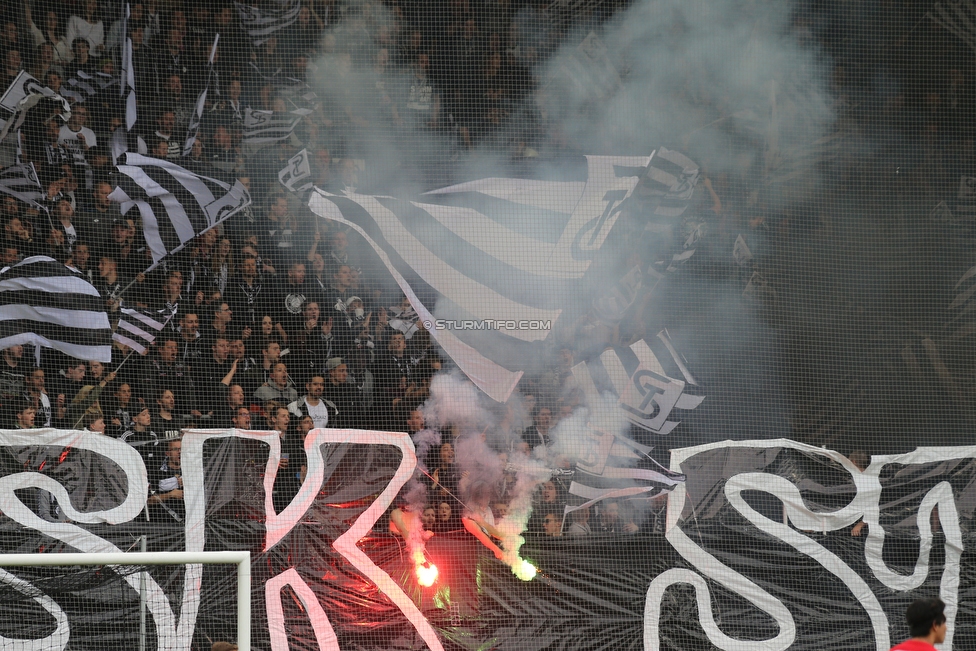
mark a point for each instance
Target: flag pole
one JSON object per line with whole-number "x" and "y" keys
{"x": 106, "y": 380}
{"x": 117, "y": 368}
{"x": 118, "y": 295}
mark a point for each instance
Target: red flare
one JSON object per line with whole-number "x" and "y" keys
{"x": 426, "y": 574}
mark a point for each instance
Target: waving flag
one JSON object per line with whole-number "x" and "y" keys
{"x": 21, "y": 182}
{"x": 651, "y": 384}
{"x": 83, "y": 86}
{"x": 669, "y": 182}
{"x": 175, "y": 204}
{"x": 127, "y": 81}
{"x": 261, "y": 24}
{"x": 137, "y": 328}
{"x": 488, "y": 265}
{"x": 23, "y": 94}
{"x": 194, "y": 127}
{"x": 261, "y": 127}
{"x": 958, "y": 17}
{"x": 45, "y": 303}
{"x": 298, "y": 175}
{"x": 614, "y": 467}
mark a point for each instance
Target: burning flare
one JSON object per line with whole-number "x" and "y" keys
{"x": 427, "y": 574}
{"x": 524, "y": 570}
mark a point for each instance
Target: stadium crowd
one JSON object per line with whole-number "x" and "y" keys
{"x": 276, "y": 320}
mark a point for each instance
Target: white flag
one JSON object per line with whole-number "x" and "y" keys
{"x": 297, "y": 175}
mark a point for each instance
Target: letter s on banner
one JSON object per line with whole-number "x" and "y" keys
{"x": 168, "y": 636}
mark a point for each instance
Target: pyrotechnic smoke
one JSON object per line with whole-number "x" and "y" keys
{"x": 416, "y": 539}
{"x": 572, "y": 437}
{"x": 414, "y": 493}
{"x": 530, "y": 473}
{"x": 456, "y": 402}
{"x": 423, "y": 441}
{"x": 478, "y": 462}
{"x": 724, "y": 81}
{"x": 414, "y": 499}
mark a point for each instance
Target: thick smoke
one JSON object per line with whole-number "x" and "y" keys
{"x": 487, "y": 453}
{"x": 722, "y": 80}
{"x": 455, "y": 403}
{"x": 572, "y": 437}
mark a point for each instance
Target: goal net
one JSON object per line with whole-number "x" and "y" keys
{"x": 138, "y": 600}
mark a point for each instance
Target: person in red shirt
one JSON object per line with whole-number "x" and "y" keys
{"x": 927, "y": 624}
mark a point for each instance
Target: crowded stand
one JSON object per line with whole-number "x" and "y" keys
{"x": 270, "y": 252}
{"x": 275, "y": 318}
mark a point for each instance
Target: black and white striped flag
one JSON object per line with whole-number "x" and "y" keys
{"x": 958, "y": 17}
{"x": 137, "y": 329}
{"x": 261, "y": 24}
{"x": 488, "y": 265}
{"x": 669, "y": 183}
{"x": 614, "y": 467}
{"x": 21, "y": 182}
{"x": 193, "y": 130}
{"x": 262, "y": 127}
{"x": 23, "y": 94}
{"x": 614, "y": 303}
{"x": 175, "y": 204}
{"x": 963, "y": 306}
{"x": 650, "y": 379}
{"x": 83, "y": 86}
{"x": 45, "y": 303}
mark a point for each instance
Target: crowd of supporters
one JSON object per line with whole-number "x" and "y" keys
{"x": 276, "y": 319}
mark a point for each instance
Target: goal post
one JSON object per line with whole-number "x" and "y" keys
{"x": 242, "y": 559}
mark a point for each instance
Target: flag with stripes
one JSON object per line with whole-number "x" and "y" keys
{"x": 613, "y": 304}
{"x": 193, "y": 130}
{"x": 295, "y": 91}
{"x": 650, "y": 380}
{"x": 963, "y": 306}
{"x": 45, "y": 303}
{"x": 21, "y": 182}
{"x": 83, "y": 85}
{"x": 127, "y": 83}
{"x": 174, "y": 203}
{"x": 612, "y": 466}
{"x": 965, "y": 288}
{"x": 262, "y": 127}
{"x": 958, "y": 17}
{"x": 488, "y": 265}
{"x": 261, "y": 23}
{"x": 669, "y": 182}
{"x": 23, "y": 94}
{"x": 137, "y": 328}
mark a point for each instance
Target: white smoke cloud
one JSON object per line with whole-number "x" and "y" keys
{"x": 456, "y": 402}
{"x": 722, "y": 80}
